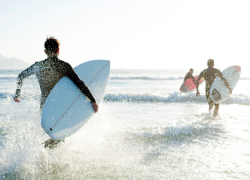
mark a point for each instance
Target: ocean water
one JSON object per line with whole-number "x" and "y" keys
{"x": 145, "y": 129}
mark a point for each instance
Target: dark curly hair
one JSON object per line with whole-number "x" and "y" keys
{"x": 51, "y": 46}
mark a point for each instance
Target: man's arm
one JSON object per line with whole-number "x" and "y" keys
{"x": 82, "y": 86}
{"x": 197, "y": 84}
{"x": 24, "y": 74}
{"x": 185, "y": 78}
{"x": 225, "y": 82}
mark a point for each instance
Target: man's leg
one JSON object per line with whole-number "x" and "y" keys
{"x": 209, "y": 100}
{"x": 49, "y": 143}
{"x": 211, "y": 103}
{"x": 216, "y": 109}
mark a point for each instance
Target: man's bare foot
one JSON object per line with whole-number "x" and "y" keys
{"x": 216, "y": 109}
{"x": 50, "y": 144}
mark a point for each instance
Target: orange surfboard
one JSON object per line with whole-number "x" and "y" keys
{"x": 189, "y": 84}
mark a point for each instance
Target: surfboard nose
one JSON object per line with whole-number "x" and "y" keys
{"x": 238, "y": 68}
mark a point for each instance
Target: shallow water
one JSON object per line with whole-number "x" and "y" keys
{"x": 145, "y": 129}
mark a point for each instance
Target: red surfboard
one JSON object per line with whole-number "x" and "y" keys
{"x": 189, "y": 84}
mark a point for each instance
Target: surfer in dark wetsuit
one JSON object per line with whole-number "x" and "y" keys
{"x": 49, "y": 72}
{"x": 190, "y": 75}
{"x": 209, "y": 75}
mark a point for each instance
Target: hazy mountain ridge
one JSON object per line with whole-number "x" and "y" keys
{"x": 12, "y": 63}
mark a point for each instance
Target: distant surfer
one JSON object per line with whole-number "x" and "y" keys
{"x": 49, "y": 72}
{"x": 190, "y": 75}
{"x": 209, "y": 75}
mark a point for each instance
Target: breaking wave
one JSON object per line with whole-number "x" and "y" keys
{"x": 175, "y": 97}
{"x": 165, "y": 134}
{"x": 245, "y": 78}
{"x": 155, "y": 78}
{"x": 144, "y": 78}
{"x": 8, "y": 77}
{"x": 126, "y": 77}
{"x": 116, "y": 77}
{"x": 14, "y": 77}
{"x": 30, "y": 96}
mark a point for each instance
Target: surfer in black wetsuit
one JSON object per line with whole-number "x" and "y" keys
{"x": 209, "y": 75}
{"x": 190, "y": 75}
{"x": 49, "y": 72}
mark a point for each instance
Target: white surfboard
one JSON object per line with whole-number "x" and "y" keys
{"x": 219, "y": 91}
{"x": 67, "y": 109}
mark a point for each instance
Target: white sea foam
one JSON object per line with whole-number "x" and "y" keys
{"x": 170, "y": 133}
{"x": 8, "y": 76}
{"x": 145, "y": 78}
{"x": 155, "y": 78}
{"x": 14, "y": 77}
{"x": 175, "y": 97}
{"x": 127, "y": 77}
{"x": 245, "y": 78}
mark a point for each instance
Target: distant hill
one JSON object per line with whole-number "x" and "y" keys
{"x": 12, "y": 63}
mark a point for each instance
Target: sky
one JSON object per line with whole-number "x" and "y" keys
{"x": 132, "y": 34}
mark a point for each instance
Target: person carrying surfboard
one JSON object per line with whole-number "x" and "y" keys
{"x": 49, "y": 72}
{"x": 190, "y": 75}
{"x": 209, "y": 75}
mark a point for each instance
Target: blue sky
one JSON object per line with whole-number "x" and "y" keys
{"x": 133, "y": 34}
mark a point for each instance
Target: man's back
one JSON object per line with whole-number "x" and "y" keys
{"x": 209, "y": 75}
{"x": 49, "y": 72}
{"x": 189, "y": 75}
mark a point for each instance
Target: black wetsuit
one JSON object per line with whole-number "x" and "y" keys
{"x": 189, "y": 75}
{"x": 49, "y": 72}
{"x": 209, "y": 75}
